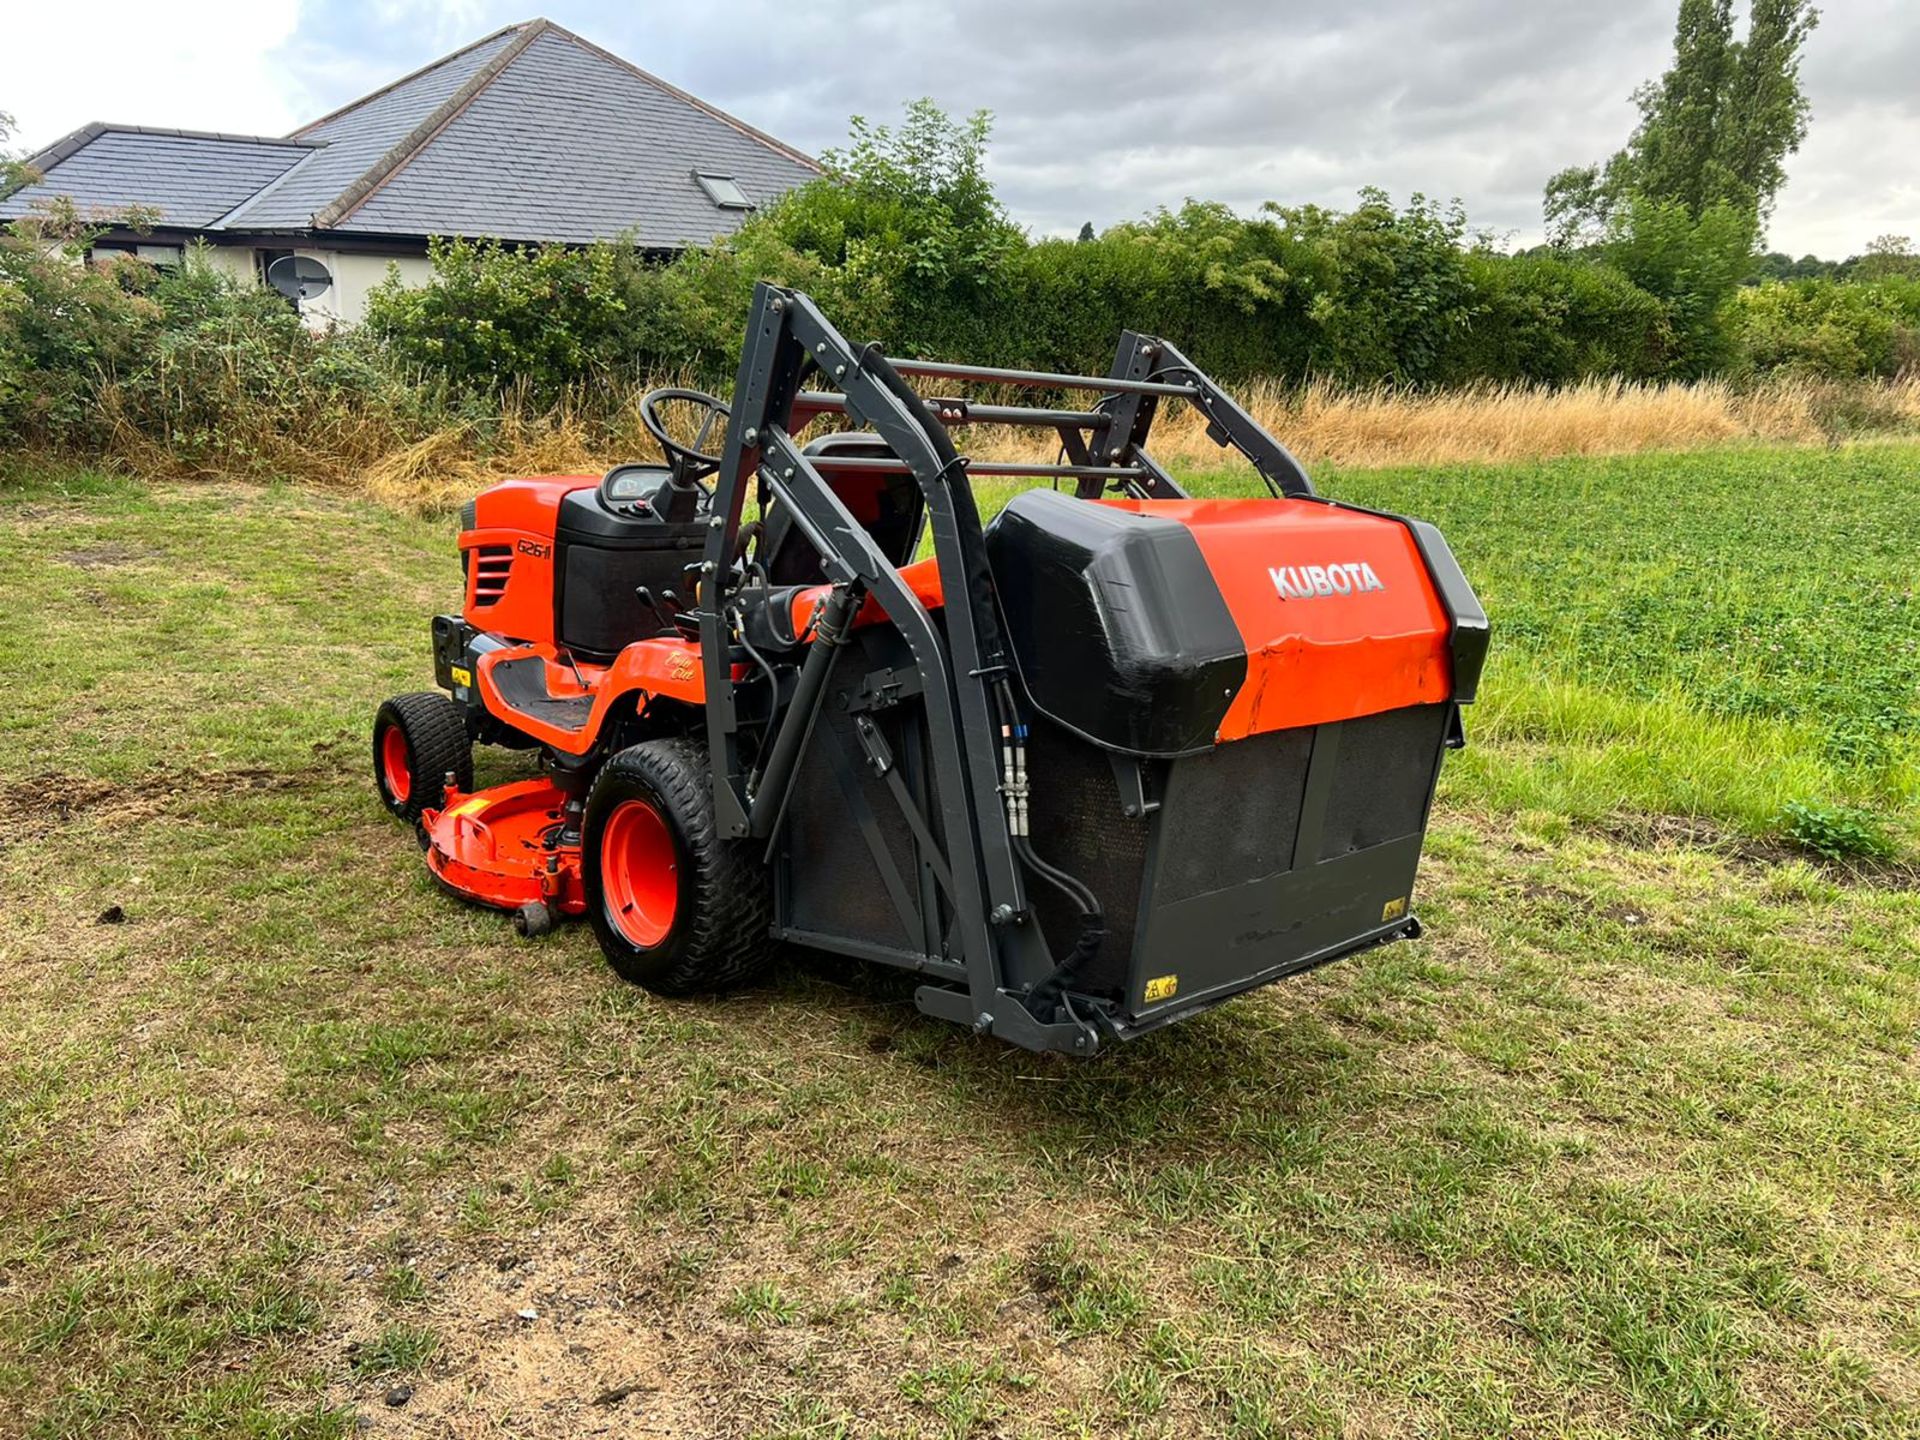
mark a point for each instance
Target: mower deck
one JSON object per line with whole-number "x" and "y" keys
{"x": 506, "y": 847}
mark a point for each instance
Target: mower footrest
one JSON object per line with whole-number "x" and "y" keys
{"x": 522, "y": 684}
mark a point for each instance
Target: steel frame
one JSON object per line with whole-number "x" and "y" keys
{"x": 788, "y": 341}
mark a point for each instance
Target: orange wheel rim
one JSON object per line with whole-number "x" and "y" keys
{"x": 640, "y": 873}
{"x": 396, "y": 766}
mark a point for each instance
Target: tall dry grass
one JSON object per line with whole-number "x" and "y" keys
{"x": 1322, "y": 424}
{"x": 1377, "y": 426}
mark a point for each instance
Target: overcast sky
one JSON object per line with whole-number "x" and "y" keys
{"x": 1103, "y": 111}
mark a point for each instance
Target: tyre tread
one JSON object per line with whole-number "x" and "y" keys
{"x": 437, "y": 742}
{"x": 731, "y": 942}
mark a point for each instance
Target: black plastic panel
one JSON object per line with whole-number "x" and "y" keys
{"x": 1383, "y": 779}
{"x": 600, "y": 613}
{"x": 603, "y": 558}
{"x": 1232, "y": 813}
{"x": 1078, "y": 826}
{"x": 1117, "y": 627}
{"x": 833, "y": 884}
{"x": 1205, "y": 889}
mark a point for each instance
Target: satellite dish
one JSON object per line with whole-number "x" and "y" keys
{"x": 299, "y": 277}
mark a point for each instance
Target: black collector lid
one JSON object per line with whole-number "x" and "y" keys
{"x": 1117, "y": 627}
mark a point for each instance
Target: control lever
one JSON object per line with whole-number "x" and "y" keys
{"x": 682, "y": 619}
{"x": 665, "y": 617}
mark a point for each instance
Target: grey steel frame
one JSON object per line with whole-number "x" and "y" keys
{"x": 990, "y": 951}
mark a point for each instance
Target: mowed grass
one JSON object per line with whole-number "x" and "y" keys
{"x": 1629, "y": 1145}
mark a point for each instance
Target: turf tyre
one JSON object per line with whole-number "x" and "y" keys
{"x": 432, "y": 744}
{"x": 717, "y": 930}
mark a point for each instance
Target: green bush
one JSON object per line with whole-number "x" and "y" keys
{"x": 211, "y": 370}
{"x": 1693, "y": 265}
{"x": 65, "y": 330}
{"x": 1830, "y": 328}
{"x": 1556, "y": 318}
{"x": 540, "y": 319}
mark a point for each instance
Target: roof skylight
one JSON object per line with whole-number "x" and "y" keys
{"x": 722, "y": 190}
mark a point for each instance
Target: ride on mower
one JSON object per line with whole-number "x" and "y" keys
{"x": 1097, "y": 766}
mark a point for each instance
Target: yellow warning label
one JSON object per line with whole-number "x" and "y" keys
{"x": 1162, "y": 987}
{"x": 1393, "y": 909}
{"x": 471, "y": 806}
{"x": 462, "y": 676}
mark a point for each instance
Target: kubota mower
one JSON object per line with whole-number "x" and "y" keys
{"x": 1096, "y": 766}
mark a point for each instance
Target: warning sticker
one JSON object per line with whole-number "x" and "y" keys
{"x": 462, "y": 676}
{"x": 1393, "y": 909}
{"x": 1162, "y": 987}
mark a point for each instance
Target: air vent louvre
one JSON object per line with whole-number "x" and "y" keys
{"x": 491, "y": 565}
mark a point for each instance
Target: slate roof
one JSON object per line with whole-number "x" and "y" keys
{"x": 528, "y": 134}
{"x": 191, "y": 178}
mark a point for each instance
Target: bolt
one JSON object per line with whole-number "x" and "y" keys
{"x": 1002, "y": 913}
{"x": 983, "y": 1024}
{"x": 718, "y": 522}
{"x": 839, "y": 372}
{"x": 752, "y": 437}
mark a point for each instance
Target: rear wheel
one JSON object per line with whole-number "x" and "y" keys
{"x": 677, "y": 909}
{"x": 418, "y": 740}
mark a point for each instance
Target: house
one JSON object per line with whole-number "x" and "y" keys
{"x": 529, "y": 135}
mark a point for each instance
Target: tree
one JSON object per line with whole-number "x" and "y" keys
{"x": 1086, "y": 233}
{"x": 1714, "y": 130}
{"x": 1887, "y": 256}
{"x": 14, "y": 171}
{"x": 908, "y": 216}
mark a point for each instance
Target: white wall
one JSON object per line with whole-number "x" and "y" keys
{"x": 354, "y": 274}
{"x": 234, "y": 260}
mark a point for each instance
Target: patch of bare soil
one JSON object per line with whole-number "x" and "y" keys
{"x": 33, "y": 807}
{"x": 109, "y": 556}
{"x": 1652, "y": 832}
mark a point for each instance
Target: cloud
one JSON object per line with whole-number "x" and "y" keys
{"x": 202, "y": 66}
{"x": 1102, "y": 113}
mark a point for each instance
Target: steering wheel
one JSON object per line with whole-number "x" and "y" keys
{"x": 689, "y": 462}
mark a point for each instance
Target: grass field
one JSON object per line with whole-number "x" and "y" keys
{"x": 1628, "y": 1145}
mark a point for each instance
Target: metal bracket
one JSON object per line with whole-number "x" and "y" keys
{"x": 1130, "y": 777}
{"x": 883, "y": 689}
{"x": 880, "y": 757}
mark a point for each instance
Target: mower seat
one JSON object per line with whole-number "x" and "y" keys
{"x": 889, "y": 507}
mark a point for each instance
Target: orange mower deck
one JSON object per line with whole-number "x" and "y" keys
{"x": 505, "y": 847}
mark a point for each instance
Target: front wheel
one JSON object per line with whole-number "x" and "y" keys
{"x": 677, "y": 909}
{"x": 419, "y": 740}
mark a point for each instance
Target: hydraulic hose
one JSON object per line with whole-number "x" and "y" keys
{"x": 1093, "y": 924}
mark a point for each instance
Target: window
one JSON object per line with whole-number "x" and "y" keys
{"x": 164, "y": 256}
{"x": 722, "y": 191}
